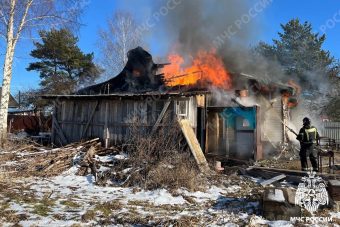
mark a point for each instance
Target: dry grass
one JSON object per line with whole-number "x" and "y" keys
{"x": 161, "y": 160}
{"x": 183, "y": 221}
{"x": 13, "y": 144}
{"x": 173, "y": 172}
{"x": 108, "y": 208}
{"x": 70, "y": 204}
{"x": 133, "y": 218}
{"x": 89, "y": 215}
{"x": 139, "y": 203}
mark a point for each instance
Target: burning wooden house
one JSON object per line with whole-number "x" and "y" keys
{"x": 242, "y": 122}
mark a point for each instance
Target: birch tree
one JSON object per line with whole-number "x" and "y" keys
{"x": 24, "y": 17}
{"x": 115, "y": 41}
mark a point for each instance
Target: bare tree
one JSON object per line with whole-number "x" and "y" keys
{"x": 120, "y": 36}
{"x": 24, "y": 17}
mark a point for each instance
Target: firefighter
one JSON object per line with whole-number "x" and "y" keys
{"x": 308, "y": 137}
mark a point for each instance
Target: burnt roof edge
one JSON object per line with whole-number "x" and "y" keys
{"x": 125, "y": 95}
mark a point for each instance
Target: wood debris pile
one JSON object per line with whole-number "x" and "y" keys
{"x": 35, "y": 160}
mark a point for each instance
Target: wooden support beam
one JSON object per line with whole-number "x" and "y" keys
{"x": 89, "y": 120}
{"x": 258, "y": 144}
{"x": 106, "y": 128}
{"x": 54, "y": 114}
{"x": 59, "y": 131}
{"x": 194, "y": 145}
{"x": 161, "y": 115}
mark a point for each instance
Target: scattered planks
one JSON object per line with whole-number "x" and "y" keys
{"x": 272, "y": 180}
{"x": 57, "y": 160}
{"x": 296, "y": 173}
{"x": 272, "y": 175}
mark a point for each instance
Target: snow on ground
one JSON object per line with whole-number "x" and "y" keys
{"x": 69, "y": 199}
{"x": 110, "y": 158}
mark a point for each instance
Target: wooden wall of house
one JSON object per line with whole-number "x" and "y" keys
{"x": 272, "y": 129}
{"x": 112, "y": 119}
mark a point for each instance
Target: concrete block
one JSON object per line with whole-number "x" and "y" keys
{"x": 278, "y": 204}
{"x": 334, "y": 189}
{"x": 290, "y": 195}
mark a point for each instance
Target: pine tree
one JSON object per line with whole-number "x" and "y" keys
{"x": 299, "y": 52}
{"x": 63, "y": 67}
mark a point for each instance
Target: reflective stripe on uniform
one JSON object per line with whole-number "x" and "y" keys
{"x": 310, "y": 130}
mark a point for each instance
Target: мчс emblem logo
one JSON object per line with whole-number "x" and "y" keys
{"x": 311, "y": 193}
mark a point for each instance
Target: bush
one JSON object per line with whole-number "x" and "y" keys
{"x": 161, "y": 159}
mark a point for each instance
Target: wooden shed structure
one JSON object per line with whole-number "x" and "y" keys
{"x": 222, "y": 130}
{"x": 111, "y": 116}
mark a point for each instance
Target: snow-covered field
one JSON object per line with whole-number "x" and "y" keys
{"x": 71, "y": 200}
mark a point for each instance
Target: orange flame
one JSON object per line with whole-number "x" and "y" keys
{"x": 207, "y": 67}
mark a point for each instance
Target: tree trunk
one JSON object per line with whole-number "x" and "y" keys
{"x": 5, "y": 93}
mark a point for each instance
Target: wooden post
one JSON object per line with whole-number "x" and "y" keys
{"x": 59, "y": 131}
{"x": 54, "y": 114}
{"x": 106, "y": 128}
{"x": 217, "y": 141}
{"x": 258, "y": 143}
{"x": 161, "y": 115}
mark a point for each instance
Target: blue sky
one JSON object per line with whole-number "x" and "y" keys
{"x": 318, "y": 12}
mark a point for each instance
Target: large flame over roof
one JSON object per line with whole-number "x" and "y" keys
{"x": 206, "y": 67}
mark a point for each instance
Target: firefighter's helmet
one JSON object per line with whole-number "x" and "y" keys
{"x": 306, "y": 121}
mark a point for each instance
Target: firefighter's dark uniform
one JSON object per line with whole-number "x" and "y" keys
{"x": 308, "y": 137}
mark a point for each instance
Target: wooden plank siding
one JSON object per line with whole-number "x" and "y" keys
{"x": 272, "y": 127}
{"x": 112, "y": 118}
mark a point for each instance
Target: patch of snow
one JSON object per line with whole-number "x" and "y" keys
{"x": 48, "y": 221}
{"x": 279, "y": 224}
{"x": 127, "y": 170}
{"x": 335, "y": 215}
{"x": 121, "y": 156}
{"x": 259, "y": 221}
{"x": 104, "y": 169}
{"x": 105, "y": 159}
{"x": 158, "y": 197}
{"x": 16, "y": 207}
{"x": 212, "y": 193}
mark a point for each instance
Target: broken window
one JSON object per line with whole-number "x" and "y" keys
{"x": 182, "y": 109}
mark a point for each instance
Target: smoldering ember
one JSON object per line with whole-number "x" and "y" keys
{"x": 169, "y": 113}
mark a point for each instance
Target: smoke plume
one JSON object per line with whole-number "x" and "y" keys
{"x": 229, "y": 26}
